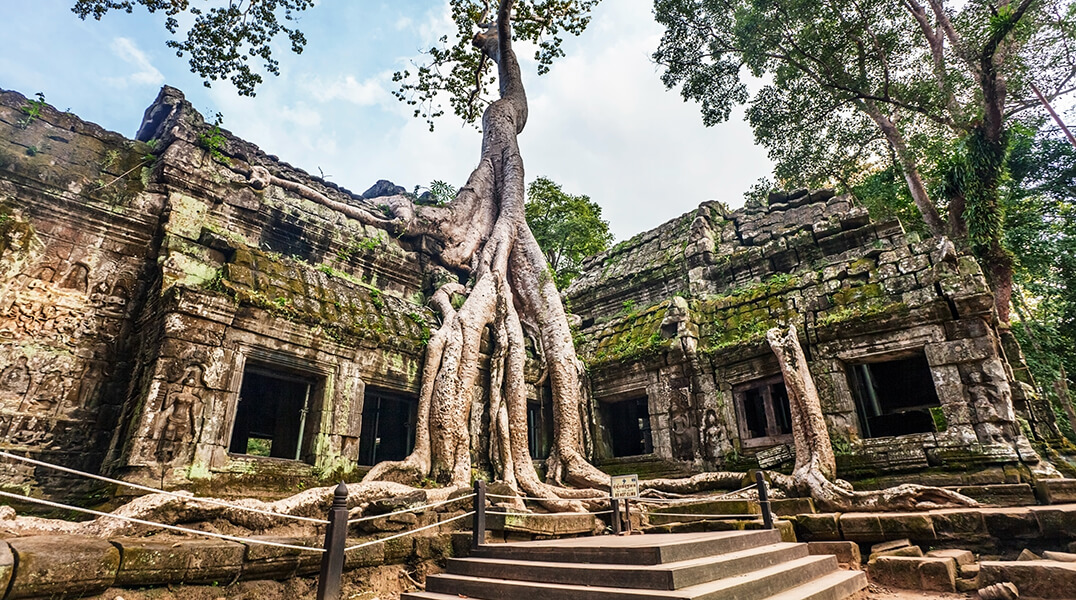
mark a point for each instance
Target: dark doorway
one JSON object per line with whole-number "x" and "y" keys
{"x": 764, "y": 416}
{"x": 628, "y": 424}
{"x": 388, "y": 427}
{"x": 270, "y": 419}
{"x": 894, "y": 397}
{"x": 540, "y": 424}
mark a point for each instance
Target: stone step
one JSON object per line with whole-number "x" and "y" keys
{"x": 756, "y": 585}
{"x": 649, "y": 549}
{"x": 833, "y": 586}
{"x": 667, "y": 576}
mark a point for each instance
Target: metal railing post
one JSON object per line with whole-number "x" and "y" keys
{"x": 478, "y": 532}
{"x": 764, "y": 500}
{"x": 332, "y": 561}
{"x": 615, "y": 505}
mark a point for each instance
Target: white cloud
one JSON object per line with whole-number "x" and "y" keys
{"x": 146, "y": 74}
{"x": 368, "y": 92}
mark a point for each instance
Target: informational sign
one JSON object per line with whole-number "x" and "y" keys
{"x": 771, "y": 457}
{"x": 624, "y": 486}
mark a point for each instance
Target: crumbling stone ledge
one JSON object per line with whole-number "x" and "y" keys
{"x": 997, "y": 527}
{"x": 66, "y": 566}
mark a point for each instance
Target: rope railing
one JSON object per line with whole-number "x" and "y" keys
{"x": 508, "y": 497}
{"x": 407, "y": 533}
{"x": 408, "y": 510}
{"x": 223, "y": 536}
{"x": 556, "y": 514}
{"x": 184, "y": 496}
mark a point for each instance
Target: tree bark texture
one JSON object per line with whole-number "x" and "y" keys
{"x": 511, "y": 293}
{"x": 815, "y": 469}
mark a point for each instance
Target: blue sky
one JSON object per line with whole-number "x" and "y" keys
{"x": 601, "y": 122}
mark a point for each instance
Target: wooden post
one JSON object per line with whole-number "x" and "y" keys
{"x": 627, "y": 515}
{"x": 615, "y": 504}
{"x": 764, "y": 500}
{"x": 332, "y": 561}
{"x": 478, "y": 532}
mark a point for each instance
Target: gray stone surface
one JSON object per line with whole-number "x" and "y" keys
{"x": 62, "y": 566}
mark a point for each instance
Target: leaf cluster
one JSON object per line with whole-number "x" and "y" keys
{"x": 568, "y": 228}
{"x": 223, "y": 40}
{"x": 455, "y": 72}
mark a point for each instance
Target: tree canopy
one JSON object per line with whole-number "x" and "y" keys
{"x": 569, "y": 228}
{"x": 851, "y": 89}
{"x": 225, "y": 43}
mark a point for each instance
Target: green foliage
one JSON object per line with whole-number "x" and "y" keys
{"x": 1040, "y": 229}
{"x": 213, "y": 140}
{"x": 458, "y": 71}
{"x": 221, "y": 41}
{"x": 568, "y": 228}
{"x": 31, "y": 110}
{"x": 853, "y": 97}
{"x": 438, "y": 194}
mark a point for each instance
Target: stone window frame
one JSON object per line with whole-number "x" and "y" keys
{"x": 320, "y": 376}
{"x": 629, "y": 394}
{"x": 739, "y": 395}
{"x": 903, "y": 352}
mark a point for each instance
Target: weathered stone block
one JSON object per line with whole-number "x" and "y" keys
{"x": 1056, "y": 522}
{"x": 913, "y": 551}
{"x": 790, "y": 507}
{"x": 273, "y": 562}
{"x": 1011, "y": 523}
{"x": 960, "y": 351}
{"x": 1056, "y": 491}
{"x": 823, "y": 527}
{"x": 847, "y": 553}
{"x": 914, "y": 573}
{"x": 1045, "y": 579}
{"x": 962, "y": 557}
{"x": 62, "y": 566}
{"x": 862, "y": 527}
{"x": 161, "y": 561}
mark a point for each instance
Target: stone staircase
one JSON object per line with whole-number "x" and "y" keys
{"x": 728, "y": 565}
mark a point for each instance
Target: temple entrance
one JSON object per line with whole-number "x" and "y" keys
{"x": 388, "y": 427}
{"x": 270, "y": 419}
{"x": 894, "y": 397}
{"x": 627, "y": 423}
{"x": 540, "y": 424}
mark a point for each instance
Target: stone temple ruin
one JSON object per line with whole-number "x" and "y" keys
{"x": 164, "y": 321}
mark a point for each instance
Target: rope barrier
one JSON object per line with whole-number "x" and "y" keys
{"x": 705, "y": 516}
{"x": 547, "y": 499}
{"x": 743, "y": 489}
{"x": 222, "y": 536}
{"x": 558, "y": 514}
{"x": 407, "y": 510}
{"x": 407, "y": 533}
{"x": 190, "y": 498}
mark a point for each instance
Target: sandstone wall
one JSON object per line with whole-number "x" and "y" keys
{"x": 138, "y": 279}
{"x": 679, "y": 314}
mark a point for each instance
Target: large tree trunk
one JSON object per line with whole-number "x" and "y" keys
{"x": 509, "y": 286}
{"x": 815, "y": 470}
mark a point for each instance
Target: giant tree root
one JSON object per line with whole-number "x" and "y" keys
{"x": 170, "y": 510}
{"x": 840, "y": 497}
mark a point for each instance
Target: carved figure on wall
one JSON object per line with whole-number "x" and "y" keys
{"x": 15, "y": 378}
{"x": 30, "y": 431}
{"x": 684, "y": 433}
{"x": 76, "y": 278}
{"x": 714, "y": 438}
{"x": 177, "y": 423}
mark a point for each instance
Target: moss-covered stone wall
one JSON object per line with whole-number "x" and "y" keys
{"x": 679, "y": 314}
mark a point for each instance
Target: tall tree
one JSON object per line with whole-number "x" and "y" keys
{"x": 855, "y": 86}
{"x": 568, "y": 228}
{"x": 487, "y": 243}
